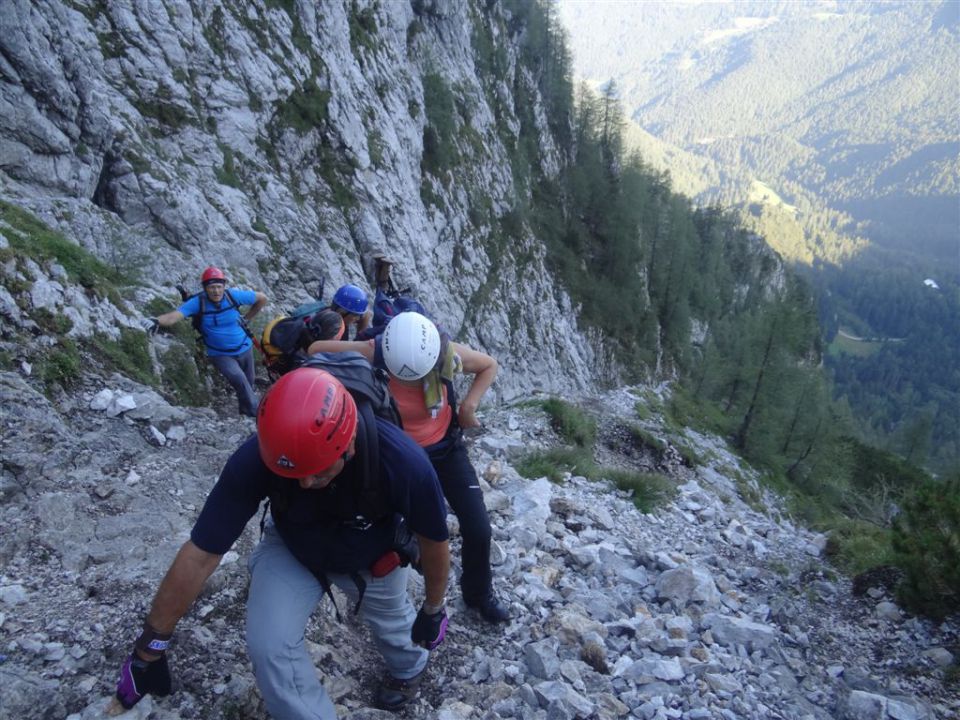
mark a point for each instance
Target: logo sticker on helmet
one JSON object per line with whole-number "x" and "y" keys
{"x": 407, "y": 372}
{"x": 285, "y": 462}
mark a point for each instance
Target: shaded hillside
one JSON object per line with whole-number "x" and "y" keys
{"x": 852, "y": 103}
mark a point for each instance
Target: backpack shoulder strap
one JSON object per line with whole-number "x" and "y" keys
{"x": 371, "y": 498}
{"x": 197, "y": 319}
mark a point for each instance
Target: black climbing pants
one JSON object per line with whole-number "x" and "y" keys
{"x": 459, "y": 482}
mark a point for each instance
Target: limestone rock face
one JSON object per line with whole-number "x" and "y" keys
{"x": 285, "y": 142}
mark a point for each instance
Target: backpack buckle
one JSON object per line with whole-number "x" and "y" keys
{"x": 358, "y": 523}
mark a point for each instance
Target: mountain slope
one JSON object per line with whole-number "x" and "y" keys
{"x": 851, "y": 104}
{"x": 704, "y": 606}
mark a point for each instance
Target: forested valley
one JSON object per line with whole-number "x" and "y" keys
{"x": 845, "y": 435}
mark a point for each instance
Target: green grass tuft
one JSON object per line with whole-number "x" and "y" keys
{"x": 32, "y": 238}
{"x": 129, "y": 355}
{"x": 571, "y": 423}
{"x": 649, "y": 489}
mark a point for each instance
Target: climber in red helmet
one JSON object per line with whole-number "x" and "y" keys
{"x": 217, "y": 318}
{"x": 353, "y": 500}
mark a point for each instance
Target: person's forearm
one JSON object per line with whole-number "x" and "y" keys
{"x": 333, "y": 346}
{"x": 481, "y": 383}
{"x": 484, "y": 369}
{"x": 364, "y": 322}
{"x": 435, "y": 563}
{"x": 170, "y": 318}
{"x": 181, "y": 586}
{"x": 256, "y": 307}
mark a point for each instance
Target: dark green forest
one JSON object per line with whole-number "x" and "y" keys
{"x": 694, "y": 294}
{"x": 903, "y": 382}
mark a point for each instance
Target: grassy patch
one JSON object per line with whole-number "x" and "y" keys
{"x": 162, "y": 108}
{"x": 748, "y": 493}
{"x": 855, "y": 546}
{"x": 439, "y": 147}
{"x": 214, "y": 32}
{"x": 571, "y": 423}
{"x": 158, "y": 306}
{"x": 181, "y": 377}
{"x": 363, "y": 28}
{"x": 60, "y": 366}
{"x": 691, "y": 458}
{"x": 648, "y": 489}
{"x": 843, "y": 345}
{"x": 553, "y": 463}
{"x": 648, "y": 440}
{"x": 375, "y": 147}
{"x": 129, "y": 355}
{"x": 52, "y": 323}
{"x": 684, "y": 410}
{"x": 227, "y": 175}
{"x": 29, "y": 236}
{"x": 305, "y": 108}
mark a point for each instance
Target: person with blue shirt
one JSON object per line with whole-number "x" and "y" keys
{"x": 229, "y": 345}
{"x": 349, "y": 493}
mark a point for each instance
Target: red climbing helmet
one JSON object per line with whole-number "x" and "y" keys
{"x": 305, "y": 423}
{"x": 212, "y": 274}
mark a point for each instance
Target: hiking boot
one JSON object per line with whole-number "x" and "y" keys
{"x": 491, "y": 609}
{"x": 395, "y": 693}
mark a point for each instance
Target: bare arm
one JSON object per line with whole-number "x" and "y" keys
{"x": 180, "y": 587}
{"x": 256, "y": 307}
{"x": 170, "y": 318}
{"x": 361, "y": 346}
{"x": 484, "y": 369}
{"x": 435, "y": 563}
{"x": 364, "y": 322}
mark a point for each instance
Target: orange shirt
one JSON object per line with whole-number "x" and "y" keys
{"x": 417, "y": 422}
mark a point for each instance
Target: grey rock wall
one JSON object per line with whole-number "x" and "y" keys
{"x": 283, "y": 142}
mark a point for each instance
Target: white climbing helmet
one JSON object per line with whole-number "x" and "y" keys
{"x": 411, "y": 346}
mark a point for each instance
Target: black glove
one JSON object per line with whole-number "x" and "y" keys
{"x": 428, "y": 631}
{"x": 139, "y": 677}
{"x": 151, "y": 326}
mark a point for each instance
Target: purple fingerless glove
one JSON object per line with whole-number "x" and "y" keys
{"x": 428, "y": 631}
{"x": 139, "y": 677}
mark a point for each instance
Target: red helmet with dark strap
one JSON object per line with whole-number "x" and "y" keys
{"x": 212, "y": 274}
{"x": 305, "y": 423}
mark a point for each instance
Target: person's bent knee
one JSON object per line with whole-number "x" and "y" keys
{"x": 476, "y": 530}
{"x": 266, "y": 644}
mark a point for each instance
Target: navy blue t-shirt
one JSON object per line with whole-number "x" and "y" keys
{"x": 407, "y": 477}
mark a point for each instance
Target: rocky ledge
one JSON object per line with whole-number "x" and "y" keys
{"x": 707, "y": 607}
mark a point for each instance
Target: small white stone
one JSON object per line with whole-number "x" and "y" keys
{"x": 176, "y": 433}
{"x": 888, "y": 611}
{"x": 102, "y": 400}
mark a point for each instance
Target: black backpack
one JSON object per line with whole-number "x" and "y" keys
{"x": 368, "y": 387}
{"x": 286, "y": 338}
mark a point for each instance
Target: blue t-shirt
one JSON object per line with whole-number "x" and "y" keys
{"x": 220, "y": 322}
{"x": 407, "y": 479}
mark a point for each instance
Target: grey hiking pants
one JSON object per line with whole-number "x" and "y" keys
{"x": 239, "y": 372}
{"x": 283, "y": 594}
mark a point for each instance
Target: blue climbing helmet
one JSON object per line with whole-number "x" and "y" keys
{"x": 351, "y": 298}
